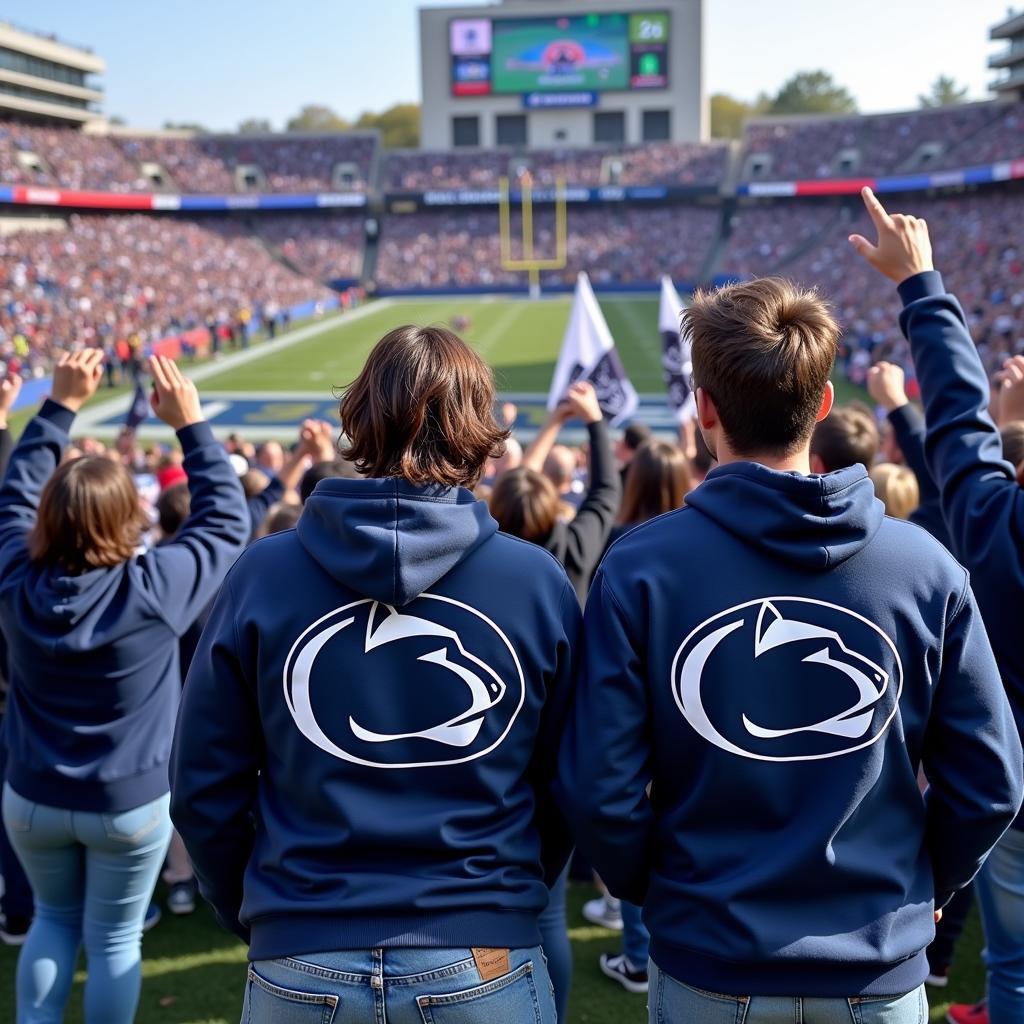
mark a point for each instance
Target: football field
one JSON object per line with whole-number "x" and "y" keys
{"x": 267, "y": 390}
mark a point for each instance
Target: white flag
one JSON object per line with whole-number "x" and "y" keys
{"x": 589, "y": 353}
{"x": 676, "y": 359}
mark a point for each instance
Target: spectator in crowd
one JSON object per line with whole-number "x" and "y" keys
{"x": 848, "y": 437}
{"x": 886, "y": 384}
{"x": 896, "y": 488}
{"x": 626, "y": 446}
{"x": 93, "y": 659}
{"x": 527, "y": 504}
{"x": 983, "y": 503}
{"x": 690, "y": 694}
{"x": 280, "y": 517}
{"x": 428, "y": 882}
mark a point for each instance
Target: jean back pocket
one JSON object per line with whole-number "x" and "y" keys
{"x": 512, "y": 997}
{"x": 266, "y": 1003}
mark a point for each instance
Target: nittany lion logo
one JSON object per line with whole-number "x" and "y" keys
{"x": 403, "y": 689}
{"x": 788, "y": 679}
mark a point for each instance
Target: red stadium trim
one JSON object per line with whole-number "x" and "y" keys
{"x": 836, "y": 187}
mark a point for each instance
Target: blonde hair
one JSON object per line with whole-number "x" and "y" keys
{"x": 896, "y": 487}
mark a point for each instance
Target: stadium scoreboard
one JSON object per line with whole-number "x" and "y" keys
{"x": 575, "y": 73}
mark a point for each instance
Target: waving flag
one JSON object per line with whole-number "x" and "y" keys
{"x": 589, "y": 353}
{"x": 676, "y": 359}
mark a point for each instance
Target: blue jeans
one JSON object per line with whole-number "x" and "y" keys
{"x": 93, "y": 875}
{"x": 671, "y": 1002}
{"x": 1000, "y": 888}
{"x": 554, "y": 937}
{"x": 402, "y": 986}
{"x": 635, "y": 937}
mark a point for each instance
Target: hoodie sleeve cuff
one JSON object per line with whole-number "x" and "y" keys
{"x": 921, "y": 286}
{"x": 598, "y": 428}
{"x": 59, "y": 415}
{"x": 195, "y": 435}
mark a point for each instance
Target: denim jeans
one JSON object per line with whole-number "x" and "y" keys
{"x": 93, "y": 876}
{"x": 401, "y": 986}
{"x": 635, "y": 937}
{"x": 1000, "y": 888}
{"x": 554, "y": 938}
{"x": 671, "y": 1002}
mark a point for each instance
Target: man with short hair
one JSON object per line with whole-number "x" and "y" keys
{"x": 762, "y": 674}
{"x": 848, "y": 437}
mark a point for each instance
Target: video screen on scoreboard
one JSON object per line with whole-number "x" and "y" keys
{"x": 577, "y": 53}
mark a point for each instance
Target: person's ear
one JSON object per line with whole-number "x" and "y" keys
{"x": 827, "y": 401}
{"x": 707, "y": 414}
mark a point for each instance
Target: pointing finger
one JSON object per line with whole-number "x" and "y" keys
{"x": 876, "y": 211}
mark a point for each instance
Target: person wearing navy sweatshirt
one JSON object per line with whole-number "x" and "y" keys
{"x": 983, "y": 505}
{"x": 369, "y": 730}
{"x": 762, "y": 674}
{"x": 92, "y": 627}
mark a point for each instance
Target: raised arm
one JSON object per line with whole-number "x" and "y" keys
{"x": 39, "y": 451}
{"x": 588, "y": 533}
{"x": 540, "y": 447}
{"x": 982, "y": 502}
{"x": 182, "y": 576}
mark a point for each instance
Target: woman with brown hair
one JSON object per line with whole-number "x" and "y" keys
{"x": 371, "y": 722}
{"x": 92, "y": 624}
{"x": 658, "y": 482}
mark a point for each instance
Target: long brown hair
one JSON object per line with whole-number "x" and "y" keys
{"x": 89, "y": 517}
{"x": 525, "y": 503}
{"x": 422, "y": 409}
{"x": 657, "y": 481}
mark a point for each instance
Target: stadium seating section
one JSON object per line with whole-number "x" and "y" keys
{"x": 103, "y": 276}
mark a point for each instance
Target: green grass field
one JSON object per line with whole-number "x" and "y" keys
{"x": 194, "y": 973}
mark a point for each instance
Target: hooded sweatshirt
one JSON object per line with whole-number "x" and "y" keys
{"x": 94, "y": 658}
{"x": 778, "y": 658}
{"x": 982, "y": 502}
{"x": 370, "y": 727}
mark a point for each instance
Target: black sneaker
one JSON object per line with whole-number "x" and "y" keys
{"x": 619, "y": 967}
{"x": 181, "y": 899}
{"x": 13, "y": 929}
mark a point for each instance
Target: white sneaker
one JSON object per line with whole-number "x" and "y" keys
{"x": 605, "y": 912}
{"x": 618, "y": 967}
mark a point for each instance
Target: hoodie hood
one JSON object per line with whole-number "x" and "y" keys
{"x": 389, "y": 539}
{"x": 813, "y": 522}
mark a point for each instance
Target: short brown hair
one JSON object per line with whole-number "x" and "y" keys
{"x": 847, "y": 437}
{"x": 526, "y": 504}
{"x": 657, "y": 482}
{"x": 763, "y": 351}
{"x": 89, "y": 517}
{"x": 422, "y": 409}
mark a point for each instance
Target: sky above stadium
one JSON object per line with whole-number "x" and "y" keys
{"x": 219, "y": 62}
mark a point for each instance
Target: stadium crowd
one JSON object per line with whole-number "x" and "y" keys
{"x": 129, "y": 280}
{"x": 324, "y": 246}
{"x": 335, "y": 871}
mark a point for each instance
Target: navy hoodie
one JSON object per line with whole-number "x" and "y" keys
{"x": 370, "y": 728}
{"x": 93, "y": 658}
{"x": 778, "y": 658}
{"x": 982, "y": 502}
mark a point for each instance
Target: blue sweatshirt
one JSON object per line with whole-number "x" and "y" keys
{"x": 908, "y": 428}
{"x": 94, "y": 658}
{"x": 370, "y": 728}
{"x": 777, "y": 658}
{"x": 982, "y": 502}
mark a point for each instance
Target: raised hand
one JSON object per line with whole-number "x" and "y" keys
{"x": 582, "y": 400}
{"x": 886, "y": 385}
{"x": 904, "y": 248}
{"x": 76, "y": 377}
{"x": 1011, "y": 391}
{"x": 316, "y": 439}
{"x": 10, "y": 388}
{"x": 175, "y": 398}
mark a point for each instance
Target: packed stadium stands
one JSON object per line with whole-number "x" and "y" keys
{"x": 108, "y": 274}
